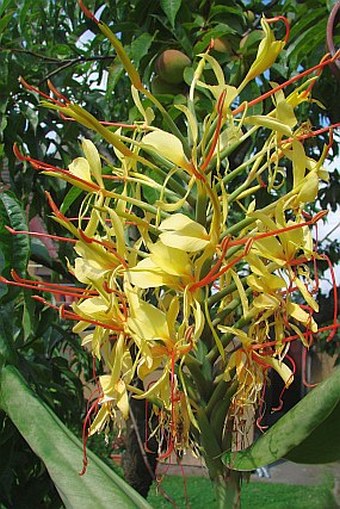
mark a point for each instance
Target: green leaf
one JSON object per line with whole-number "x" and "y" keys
{"x": 15, "y": 248}
{"x": 5, "y": 5}
{"x": 322, "y": 445}
{"x": 4, "y": 21}
{"x": 61, "y": 451}
{"x": 140, "y": 47}
{"x": 71, "y": 196}
{"x": 170, "y": 8}
{"x": 303, "y": 426}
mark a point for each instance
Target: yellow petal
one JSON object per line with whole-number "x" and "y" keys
{"x": 146, "y": 274}
{"x": 155, "y": 388}
{"x": 270, "y": 248}
{"x": 122, "y": 398}
{"x": 269, "y": 122}
{"x": 170, "y": 260}
{"x": 92, "y": 156}
{"x": 282, "y": 369}
{"x": 309, "y": 189}
{"x": 100, "y": 420}
{"x": 266, "y": 302}
{"x": 147, "y": 321}
{"x": 87, "y": 273}
{"x": 183, "y": 233}
{"x": 298, "y": 157}
{"x": 168, "y": 146}
{"x": 267, "y": 53}
{"x": 285, "y": 113}
{"x": 302, "y": 316}
{"x": 80, "y": 168}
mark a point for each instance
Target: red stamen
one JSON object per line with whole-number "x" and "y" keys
{"x": 55, "y": 209}
{"x": 57, "y": 93}
{"x": 69, "y": 315}
{"x": 280, "y": 405}
{"x": 40, "y": 165}
{"x": 286, "y": 83}
{"x": 59, "y": 286}
{"x": 107, "y": 245}
{"x": 114, "y": 177}
{"x": 289, "y": 339}
{"x": 102, "y": 122}
{"x": 71, "y": 177}
{"x": 40, "y": 234}
{"x": 169, "y": 450}
{"x": 312, "y": 134}
{"x": 257, "y": 358}
{"x": 31, "y": 88}
{"x": 264, "y": 235}
{"x": 87, "y": 12}
{"x": 285, "y": 21}
{"x": 207, "y": 279}
{"x": 85, "y": 434}
{"x": 197, "y": 173}
{"x": 214, "y": 142}
{"x": 41, "y": 287}
{"x": 318, "y": 74}
{"x": 236, "y": 260}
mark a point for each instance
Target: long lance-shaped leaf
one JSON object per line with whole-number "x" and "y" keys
{"x": 322, "y": 445}
{"x": 61, "y": 451}
{"x": 304, "y": 425}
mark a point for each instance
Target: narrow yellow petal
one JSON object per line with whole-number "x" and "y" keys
{"x": 92, "y": 156}
{"x": 80, "y": 168}
{"x": 168, "y": 146}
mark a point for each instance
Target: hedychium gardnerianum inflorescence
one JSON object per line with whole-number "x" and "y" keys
{"x": 200, "y": 291}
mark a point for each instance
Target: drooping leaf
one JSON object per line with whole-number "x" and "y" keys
{"x": 15, "y": 248}
{"x": 322, "y": 445}
{"x": 61, "y": 451}
{"x": 170, "y": 8}
{"x": 305, "y": 425}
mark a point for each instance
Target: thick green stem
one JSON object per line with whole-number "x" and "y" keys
{"x": 226, "y": 482}
{"x": 228, "y": 489}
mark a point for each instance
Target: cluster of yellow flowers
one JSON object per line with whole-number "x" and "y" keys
{"x": 176, "y": 283}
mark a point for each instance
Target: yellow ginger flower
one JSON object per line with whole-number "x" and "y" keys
{"x": 267, "y": 53}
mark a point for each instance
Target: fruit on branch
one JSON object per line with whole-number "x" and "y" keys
{"x": 250, "y": 15}
{"x": 159, "y": 86}
{"x": 222, "y": 45}
{"x": 170, "y": 66}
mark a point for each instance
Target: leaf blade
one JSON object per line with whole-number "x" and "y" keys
{"x": 292, "y": 429}
{"x": 171, "y": 8}
{"x": 61, "y": 451}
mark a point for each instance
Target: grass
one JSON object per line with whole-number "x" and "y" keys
{"x": 255, "y": 495}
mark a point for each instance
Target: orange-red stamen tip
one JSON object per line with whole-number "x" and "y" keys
{"x": 285, "y": 21}
{"x": 87, "y": 12}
